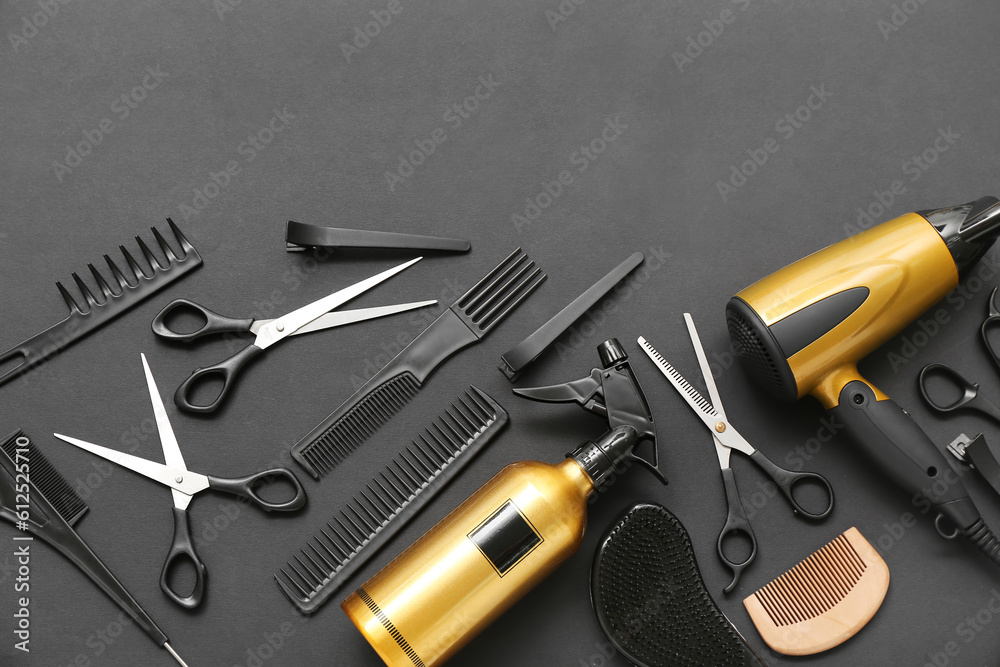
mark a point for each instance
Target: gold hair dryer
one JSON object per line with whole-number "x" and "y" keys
{"x": 803, "y": 329}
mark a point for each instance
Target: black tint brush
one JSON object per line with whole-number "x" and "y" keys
{"x": 470, "y": 318}
{"x": 35, "y": 498}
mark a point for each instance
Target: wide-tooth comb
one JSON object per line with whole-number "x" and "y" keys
{"x": 824, "y": 600}
{"x": 370, "y": 519}
{"x": 53, "y": 509}
{"x": 125, "y": 289}
{"x": 475, "y": 314}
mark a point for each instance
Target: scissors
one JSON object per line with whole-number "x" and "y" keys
{"x": 308, "y": 318}
{"x": 184, "y": 485}
{"x": 991, "y": 323}
{"x": 727, "y": 439}
{"x": 970, "y": 399}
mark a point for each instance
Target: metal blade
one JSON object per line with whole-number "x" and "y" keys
{"x": 339, "y": 318}
{"x": 706, "y": 368}
{"x": 168, "y": 441}
{"x": 189, "y": 482}
{"x": 288, "y": 324}
{"x": 683, "y": 387}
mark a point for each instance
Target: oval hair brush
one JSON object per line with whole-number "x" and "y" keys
{"x": 651, "y": 601}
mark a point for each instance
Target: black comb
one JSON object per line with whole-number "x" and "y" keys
{"x": 124, "y": 290}
{"x": 52, "y": 510}
{"x": 470, "y": 318}
{"x": 651, "y": 601}
{"x": 391, "y": 499}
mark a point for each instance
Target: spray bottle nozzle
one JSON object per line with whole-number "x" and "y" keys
{"x": 613, "y": 392}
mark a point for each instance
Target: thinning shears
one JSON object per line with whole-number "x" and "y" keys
{"x": 726, "y": 439}
{"x": 184, "y": 485}
{"x": 311, "y": 317}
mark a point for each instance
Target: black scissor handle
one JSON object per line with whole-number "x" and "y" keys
{"x": 181, "y": 549}
{"x": 246, "y": 487}
{"x": 224, "y": 370}
{"x": 736, "y": 523}
{"x": 989, "y": 324}
{"x": 787, "y": 480}
{"x": 970, "y": 390}
{"x": 214, "y": 322}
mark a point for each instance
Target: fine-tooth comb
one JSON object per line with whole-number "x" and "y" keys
{"x": 470, "y": 318}
{"x": 133, "y": 286}
{"x": 370, "y": 519}
{"x": 49, "y": 513}
{"x": 824, "y": 600}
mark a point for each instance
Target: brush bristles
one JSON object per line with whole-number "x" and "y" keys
{"x": 134, "y": 275}
{"x": 815, "y": 585}
{"x": 45, "y": 478}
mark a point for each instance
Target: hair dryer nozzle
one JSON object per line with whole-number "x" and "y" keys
{"x": 969, "y": 230}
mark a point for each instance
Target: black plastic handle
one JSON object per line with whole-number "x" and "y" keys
{"x": 214, "y": 322}
{"x": 969, "y": 389}
{"x": 225, "y": 370}
{"x": 903, "y": 451}
{"x": 736, "y": 522}
{"x": 786, "y": 481}
{"x": 182, "y": 549}
{"x": 246, "y": 487}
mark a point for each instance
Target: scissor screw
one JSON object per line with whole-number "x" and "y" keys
{"x": 179, "y": 479}
{"x": 280, "y": 327}
{"x": 720, "y": 426}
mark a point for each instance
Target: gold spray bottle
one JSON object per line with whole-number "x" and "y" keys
{"x": 509, "y": 535}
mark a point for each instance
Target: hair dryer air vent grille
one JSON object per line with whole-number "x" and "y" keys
{"x": 750, "y": 346}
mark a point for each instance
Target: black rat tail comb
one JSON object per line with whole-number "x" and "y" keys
{"x": 651, "y": 601}
{"x": 125, "y": 289}
{"x": 35, "y": 498}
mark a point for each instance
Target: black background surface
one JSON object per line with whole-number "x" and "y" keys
{"x": 653, "y": 187}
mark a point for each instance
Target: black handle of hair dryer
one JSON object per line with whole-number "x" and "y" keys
{"x": 900, "y": 447}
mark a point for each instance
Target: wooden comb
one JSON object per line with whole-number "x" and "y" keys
{"x": 824, "y": 600}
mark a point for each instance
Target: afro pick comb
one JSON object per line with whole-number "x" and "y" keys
{"x": 651, "y": 601}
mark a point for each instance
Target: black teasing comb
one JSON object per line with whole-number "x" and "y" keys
{"x": 651, "y": 601}
{"x": 124, "y": 290}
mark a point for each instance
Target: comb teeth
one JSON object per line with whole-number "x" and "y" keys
{"x": 815, "y": 585}
{"x": 672, "y": 373}
{"x": 501, "y": 291}
{"x": 348, "y": 432}
{"x": 390, "y": 500}
{"x": 45, "y": 478}
{"x": 135, "y": 275}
